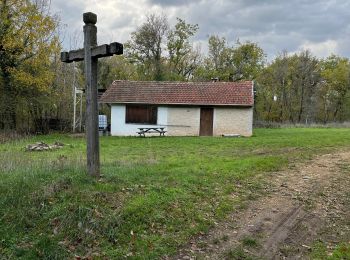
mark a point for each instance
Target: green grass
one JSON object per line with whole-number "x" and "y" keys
{"x": 250, "y": 242}
{"x": 153, "y": 196}
{"x": 237, "y": 254}
{"x": 341, "y": 252}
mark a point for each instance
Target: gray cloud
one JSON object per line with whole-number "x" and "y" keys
{"x": 276, "y": 25}
{"x": 167, "y": 3}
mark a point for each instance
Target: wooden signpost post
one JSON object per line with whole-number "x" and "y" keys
{"x": 90, "y": 55}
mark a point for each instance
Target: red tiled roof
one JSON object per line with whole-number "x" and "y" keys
{"x": 180, "y": 93}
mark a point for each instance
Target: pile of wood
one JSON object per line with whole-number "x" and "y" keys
{"x": 41, "y": 146}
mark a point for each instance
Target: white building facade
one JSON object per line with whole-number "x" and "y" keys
{"x": 185, "y": 121}
{"x": 200, "y": 111}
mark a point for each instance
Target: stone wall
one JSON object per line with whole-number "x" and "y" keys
{"x": 183, "y": 121}
{"x": 233, "y": 121}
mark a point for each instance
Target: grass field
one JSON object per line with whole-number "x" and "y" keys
{"x": 154, "y": 193}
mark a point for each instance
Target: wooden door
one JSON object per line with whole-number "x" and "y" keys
{"x": 206, "y": 121}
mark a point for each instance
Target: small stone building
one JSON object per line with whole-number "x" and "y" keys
{"x": 182, "y": 108}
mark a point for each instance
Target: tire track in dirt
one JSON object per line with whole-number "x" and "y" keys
{"x": 304, "y": 203}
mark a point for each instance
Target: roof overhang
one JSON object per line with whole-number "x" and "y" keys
{"x": 179, "y": 104}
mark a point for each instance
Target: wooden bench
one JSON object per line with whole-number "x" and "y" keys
{"x": 145, "y": 130}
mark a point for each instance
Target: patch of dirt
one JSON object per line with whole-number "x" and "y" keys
{"x": 305, "y": 203}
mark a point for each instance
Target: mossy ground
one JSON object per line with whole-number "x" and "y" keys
{"x": 153, "y": 195}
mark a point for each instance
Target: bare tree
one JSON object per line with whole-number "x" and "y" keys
{"x": 147, "y": 43}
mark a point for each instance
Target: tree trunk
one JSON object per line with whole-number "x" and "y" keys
{"x": 301, "y": 106}
{"x": 283, "y": 102}
{"x": 325, "y": 111}
{"x": 337, "y": 109}
{"x": 8, "y": 118}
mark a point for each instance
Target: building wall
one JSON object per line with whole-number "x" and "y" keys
{"x": 233, "y": 121}
{"x": 120, "y": 128}
{"x": 183, "y": 121}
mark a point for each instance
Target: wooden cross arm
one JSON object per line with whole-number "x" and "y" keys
{"x": 104, "y": 50}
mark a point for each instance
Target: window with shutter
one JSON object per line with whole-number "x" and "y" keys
{"x": 141, "y": 114}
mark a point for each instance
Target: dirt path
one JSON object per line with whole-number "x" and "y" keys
{"x": 308, "y": 202}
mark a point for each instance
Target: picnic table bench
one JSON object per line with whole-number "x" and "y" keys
{"x": 145, "y": 130}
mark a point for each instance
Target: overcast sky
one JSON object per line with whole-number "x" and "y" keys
{"x": 322, "y": 26}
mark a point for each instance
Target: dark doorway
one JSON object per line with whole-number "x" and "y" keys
{"x": 206, "y": 121}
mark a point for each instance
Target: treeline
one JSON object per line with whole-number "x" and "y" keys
{"x": 300, "y": 88}
{"x": 292, "y": 88}
{"x": 36, "y": 89}
{"x": 32, "y": 89}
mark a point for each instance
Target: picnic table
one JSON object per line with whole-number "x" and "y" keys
{"x": 144, "y": 130}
